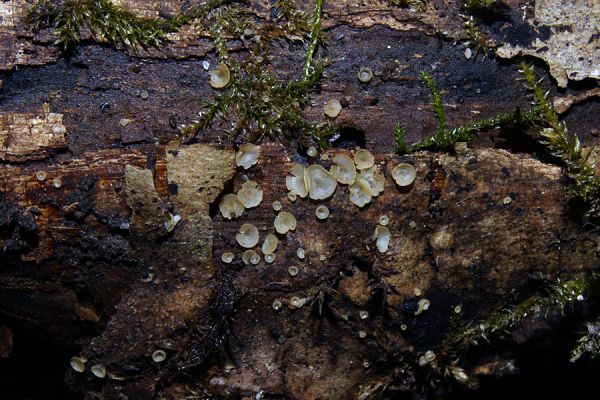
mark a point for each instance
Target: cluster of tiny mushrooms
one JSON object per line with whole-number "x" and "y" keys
{"x": 364, "y": 179}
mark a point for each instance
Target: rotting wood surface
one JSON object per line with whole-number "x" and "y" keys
{"x": 76, "y": 270}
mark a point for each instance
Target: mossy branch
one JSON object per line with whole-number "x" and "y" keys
{"x": 444, "y": 138}
{"x": 580, "y": 167}
{"x": 315, "y": 37}
{"x": 589, "y": 343}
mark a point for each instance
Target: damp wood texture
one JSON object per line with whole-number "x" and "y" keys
{"x": 298, "y": 200}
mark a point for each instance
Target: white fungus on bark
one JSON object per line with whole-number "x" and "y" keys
{"x": 344, "y": 169}
{"x": 247, "y": 155}
{"x": 247, "y": 236}
{"x": 332, "y": 108}
{"x": 231, "y": 206}
{"x": 404, "y": 174}
{"x": 364, "y": 159}
{"x": 270, "y": 244}
{"x": 360, "y": 192}
{"x": 382, "y": 238}
{"x": 220, "y": 77}
{"x": 296, "y": 182}
{"x": 250, "y": 194}
{"x": 320, "y": 183}
{"x": 284, "y": 222}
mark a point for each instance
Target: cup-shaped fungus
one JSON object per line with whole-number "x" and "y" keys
{"x": 269, "y": 258}
{"x": 270, "y": 244}
{"x": 220, "y": 77}
{"x": 364, "y": 159}
{"x": 404, "y": 174}
{"x": 159, "y": 356}
{"x": 247, "y": 155}
{"x": 332, "y": 108}
{"x": 375, "y": 179}
{"x": 382, "y": 238}
{"x": 231, "y": 206}
{"x": 284, "y": 222}
{"x": 344, "y": 169}
{"x": 250, "y": 194}
{"x": 296, "y": 182}
{"x": 365, "y": 75}
{"x": 312, "y": 151}
{"x": 249, "y": 256}
{"x": 227, "y": 257}
{"x": 99, "y": 371}
{"x": 277, "y": 206}
{"x": 322, "y": 212}
{"x": 248, "y": 236}
{"x": 360, "y": 192}
{"x": 321, "y": 184}
{"x": 78, "y": 363}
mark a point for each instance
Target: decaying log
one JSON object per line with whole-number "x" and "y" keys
{"x": 111, "y": 236}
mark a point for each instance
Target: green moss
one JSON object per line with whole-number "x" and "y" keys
{"x": 476, "y": 38}
{"x": 315, "y": 37}
{"x": 589, "y": 343}
{"x": 566, "y": 146}
{"x": 444, "y": 139}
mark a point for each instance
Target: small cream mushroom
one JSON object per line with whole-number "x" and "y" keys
{"x": 384, "y": 220}
{"x": 284, "y": 222}
{"x": 360, "y": 192}
{"x": 365, "y": 75}
{"x": 250, "y": 194}
{"x": 332, "y": 108}
{"x": 293, "y": 270}
{"x": 375, "y": 179}
{"x": 78, "y": 363}
{"x": 99, "y": 371}
{"x": 270, "y": 244}
{"x": 301, "y": 253}
{"x": 172, "y": 222}
{"x": 427, "y": 358}
{"x": 382, "y": 237}
{"x": 297, "y": 302}
{"x": 311, "y": 151}
{"x": 277, "y": 304}
{"x": 247, "y": 155}
{"x": 57, "y": 182}
{"x": 404, "y": 174}
{"x": 231, "y": 206}
{"x": 40, "y": 175}
{"x": 296, "y": 182}
{"x": 322, "y": 212}
{"x": 422, "y": 305}
{"x": 364, "y": 159}
{"x": 277, "y": 206}
{"x": 248, "y": 255}
{"x": 248, "y": 236}
{"x": 321, "y": 184}
{"x": 159, "y": 356}
{"x": 227, "y": 257}
{"x": 269, "y": 258}
{"x": 220, "y": 77}
{"x": 344, "y": 169}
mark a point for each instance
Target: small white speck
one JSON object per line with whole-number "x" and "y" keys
{"x": 205, "y": 65}
{"x": 468, "y": 53}
{"x": 389, "y": 47}
{"x": 580, "y": 297}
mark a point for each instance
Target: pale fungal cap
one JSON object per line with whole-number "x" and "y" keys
{"x": 332, "y": 108}
{"x": 412, "y": 224}
{"x": 324, "y": 156}
{"x": 423, "y": 305}
{"x": 360, "y": 192}
{"x": 382, "y": 237}
{"x": 159, "y": 356}
{"x": 227, "y": 257}
{"x": 284, "y": 222}
{"x": 247, "y": 155}
{"x": 248, "y": 236}
{"x": 270, "y": 244}
{"x": 301, "y": 253}
{"x": 297, "y": 302}
{"x": 322, "y": 257}
{"x": 247, "y": 256}
{"x": 57, "y": 182}
{"x": 375, "y": 179}
{"x": 458, "y": 309}
{"x": 507, "y": 200}
{"x": 404, "y": 174}
{"x": 312, "y": 151}
{"x": 291, "y": 196}
{"x": 99, "y": 371}
{"x": 320, "y": 183}
{"x": 366, "y": 364}
{"x": 468, "y": 53}
{"x": 293, "y": 270}
{"x": 384, "y": 220}
{"x": 220, "y": 77}
{"x": 362, "y": 334}
{"x": 322, "y": 212}
{"x": 40, "y": 175}
{"x": 277, "y": 305}
{"x": 231, "y": 206}
{"x": 255, "y": 258}
{"x": 277, "y": 206}
{"x": 250, "y": 194}
{"x": 365, "y": 75}
{"x": 296, "y": 183}
{"x": 269, "y": 258}
{"x": 363, "y": 314}
{"x": 343, "y": 170}
{"x": 172, "y": 222}
{"x": 426, "y": 358}
{"x": 364, "y": 159}
{"x": 403, "y": 327}
{"x": 78, "y": 363}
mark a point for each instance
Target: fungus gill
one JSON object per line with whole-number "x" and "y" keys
{"x": 220, "y": 77}
{"x": 231, "y": 206}
{"x": 247, "y": 155}
{"x": 343, "y": 170}
{"x": 404, "y": 174}
{"x": 250, "y": 194}
{"x": 284, "y": 222}
{"x": 247, "y": 236}
{"x": 320, "y": 183}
